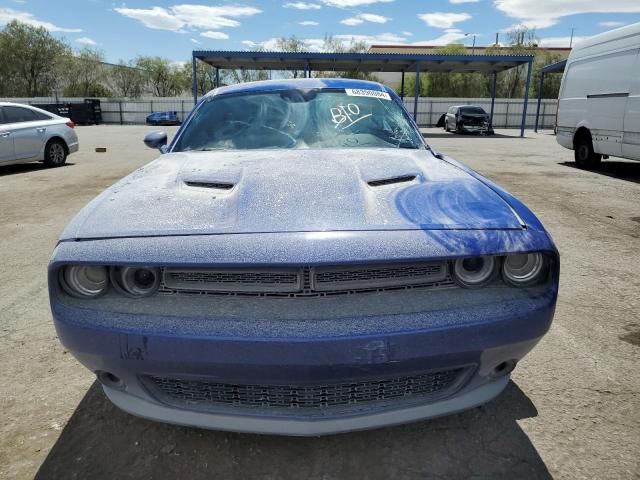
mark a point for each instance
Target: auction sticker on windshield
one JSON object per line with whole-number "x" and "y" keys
{"x": 359, "y": 92}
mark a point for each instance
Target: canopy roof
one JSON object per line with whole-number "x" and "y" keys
{"x": 364, "y": 62}
{"x": 557, "y": 67}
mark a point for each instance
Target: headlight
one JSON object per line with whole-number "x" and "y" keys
{"x": 136, "y": 281}
{"x": 474, "y": 272}
{"x": 523, "y": 269}
{"x": 84, "y": 281}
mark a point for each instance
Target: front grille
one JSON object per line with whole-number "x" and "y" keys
{"x": 294, "y": 398}
{"x": 306, "y": 281}
{"x": 334, "y": 278}
{"x": 234, "y": 280}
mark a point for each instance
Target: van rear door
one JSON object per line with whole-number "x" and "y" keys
{"x": 631, "y": 136}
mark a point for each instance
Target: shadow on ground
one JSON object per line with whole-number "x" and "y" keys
{"x": 629, "y": 171}
{"x": 100, "y": 441}
{"x": 25, "y": 168}
{"x": 467, "y": 136}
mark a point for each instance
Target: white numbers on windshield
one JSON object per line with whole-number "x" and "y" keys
{"x": 344, "y": 117}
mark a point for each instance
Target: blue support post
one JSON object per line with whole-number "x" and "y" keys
{"x": 539, "y": 100}
{"x": 526, "y": 99}
{"x": 194, "y": 72}
{"x": 402, "y": 87}
{"x": 493, "y": 97}
{"x": 217, "y": 77}
{"x": 416, "y": 93}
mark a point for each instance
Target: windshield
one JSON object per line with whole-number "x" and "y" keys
{"x": 473, "y": 110}
{"x": 299, "y": 119}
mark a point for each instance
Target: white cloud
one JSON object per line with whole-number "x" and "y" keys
{"x": 611, "y": 24}
{"x": 197, "y": 42}
{"x": 545, "y": 13}
{"x": 352, "y": 3}
{"x": 309, "y": 23}
{"x": 563, "y": 42}
{"x": 386, "y": 38}
{"x": 352, "y": 21}
{"x": 364, "y": 17}
{"x": 443, "y": 20}
{"x": 407, "y": 34}
{"x": 371, "y": 17}
{"x": 458, "y": 2}
{"x": 215, "y": 35}
{"x": 86, "y": 41}
{"x": 177, "y": 17}
{"x": 317, "y": 44}
{"x": 302, "y": 6}
{"x": 157, "y": 18}
{"x": 450, "y": 35}
{"x": 8, "y": 14}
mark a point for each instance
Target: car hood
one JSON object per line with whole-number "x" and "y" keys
{"x": 258, "y": 191}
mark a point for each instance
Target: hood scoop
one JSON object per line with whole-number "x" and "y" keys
{"x": 391, "y": 180}
{"x": 210, "y": 185}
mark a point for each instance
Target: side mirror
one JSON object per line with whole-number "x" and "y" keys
{"x": 156, "y": 140}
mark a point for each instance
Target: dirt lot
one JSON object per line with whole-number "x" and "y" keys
{"x": 571, "y": 411}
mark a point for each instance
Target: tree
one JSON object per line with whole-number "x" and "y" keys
{"x": 410, "y": 85}
{"x": 206, "y": 75}
{"x": 551, "y": 86}
{"x": 163, "y": 78}
{"x": 291, "y": 44}
{"x": 30, "y": 58}
{"x": 126, "y": 79}
{"x": 511, "y": 82}
{"x": 334, "y": 45}
{"x": 229, "y": 77}
{"x": 467, "y": 85}
{"x": 85, "y": 73}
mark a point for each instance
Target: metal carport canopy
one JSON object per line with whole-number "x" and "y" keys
{"x": 365, "y": 62}
{"x": 557, "y": 67}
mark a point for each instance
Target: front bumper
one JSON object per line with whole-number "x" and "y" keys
{"x": 481, "y": 129}
{"x": 298, "y": 427}
{"x": 476, "y": 341}
{"x": 243, "y": 345}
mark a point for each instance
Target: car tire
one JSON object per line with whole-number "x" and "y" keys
{"x": 55, "y": 153}
{"x": 584, "y": 154}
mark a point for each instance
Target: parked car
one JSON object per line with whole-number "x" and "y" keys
{"x": 599, "y": 102}
{"x": 29, "y": 134}
{"x": 468, "y": 119}
{"x": 163, "y": 118}
{"x": 299, "y": 261}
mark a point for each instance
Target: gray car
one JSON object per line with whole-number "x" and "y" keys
{"x": 468, "y": 119}
{"x": 29, "y": 134}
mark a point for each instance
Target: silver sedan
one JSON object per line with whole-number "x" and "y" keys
{"x": 29, "y": 134}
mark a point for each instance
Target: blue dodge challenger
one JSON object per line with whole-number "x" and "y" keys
{"x": 299, "y": 261}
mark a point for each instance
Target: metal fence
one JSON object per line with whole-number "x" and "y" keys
{"x": 507, "y": 112}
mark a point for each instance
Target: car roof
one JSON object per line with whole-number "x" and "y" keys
{"x": 30, "y": 107}
{"x": 300, "y": 84}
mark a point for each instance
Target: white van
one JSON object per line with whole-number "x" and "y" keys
{"x": 599, "y": 102}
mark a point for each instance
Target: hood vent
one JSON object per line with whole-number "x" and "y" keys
{"x": 391, "y": 180}
{"x": 212, "y": 185}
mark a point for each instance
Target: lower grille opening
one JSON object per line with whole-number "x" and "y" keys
{"x": 302, "y": 399}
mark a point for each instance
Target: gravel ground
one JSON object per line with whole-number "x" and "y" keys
{"x": 571, "y": 411}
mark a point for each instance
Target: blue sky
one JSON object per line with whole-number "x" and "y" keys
{"x": 173, "y": 28}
